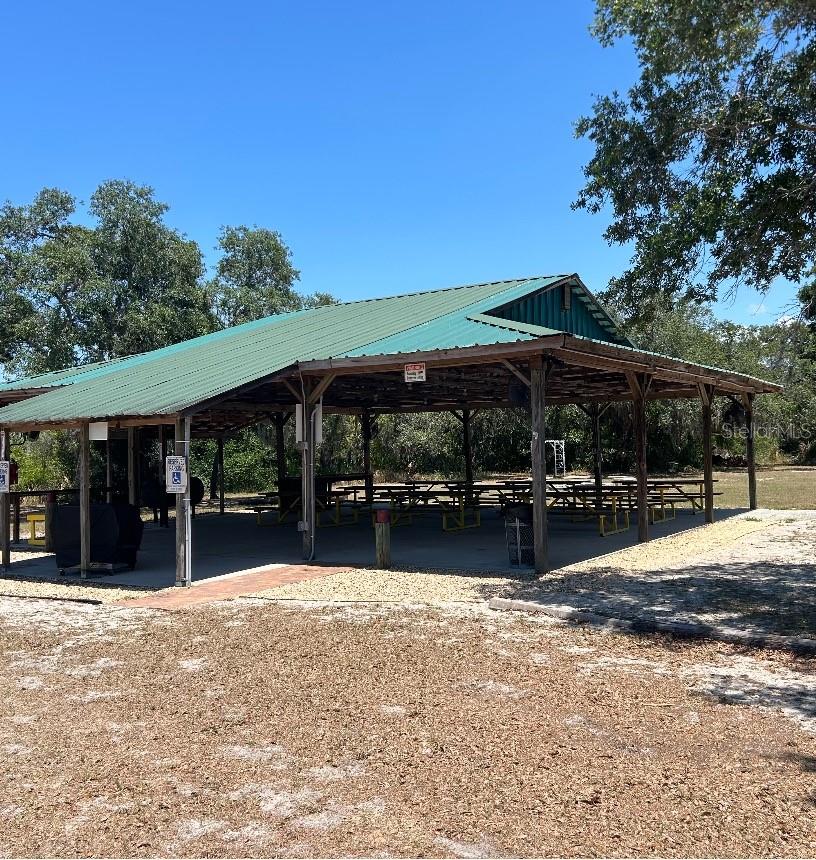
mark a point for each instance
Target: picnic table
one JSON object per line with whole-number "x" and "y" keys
{"x": 578, "y": 497}
{"x": 459, "y": 502}
{"x": 666, "y": 492}
{"x": 329, "y": 502}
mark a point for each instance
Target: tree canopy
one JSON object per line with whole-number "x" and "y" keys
{"x": 709, "y": 161}
{"x": 255, "y": 277}
{"x": 71, "y": 293}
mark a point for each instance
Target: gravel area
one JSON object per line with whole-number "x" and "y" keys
{"x": 689, "y": 544}
{"x": 395, "y": 586}
{"x": 95, "y": 591}
{"x": 254, "y": 728}
{"x": 755, "y": 572}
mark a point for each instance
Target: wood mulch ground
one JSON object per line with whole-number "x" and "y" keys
{"x": 253, "y": 728}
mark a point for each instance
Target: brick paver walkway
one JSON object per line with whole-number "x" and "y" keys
{"x": 226, "y": 587}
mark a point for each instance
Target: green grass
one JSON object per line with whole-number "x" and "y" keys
{"x": 780, "y": 488}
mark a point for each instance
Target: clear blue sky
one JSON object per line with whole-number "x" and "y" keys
{"x": 396, "y": 146}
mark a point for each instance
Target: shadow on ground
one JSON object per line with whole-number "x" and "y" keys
{"x": 762, "y": 597}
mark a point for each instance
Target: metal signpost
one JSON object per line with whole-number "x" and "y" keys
{"x": 5, "y": 475}
{"x": 177, "y": 483}
{"x": 176, "y": 474}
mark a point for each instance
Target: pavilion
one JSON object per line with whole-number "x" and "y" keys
{"x": 529, "y": 342}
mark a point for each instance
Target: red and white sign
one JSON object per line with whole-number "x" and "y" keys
{"x": 415, "y": 372}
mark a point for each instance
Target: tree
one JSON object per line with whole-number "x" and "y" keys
{"x": 70, "y": 294}
{"x": 708, "y": 163}
{"x": 42, "y": 258}
{"x": 807, "y": 296}
{"x": 255, "y": 277}
{"x": 148, "y": 291}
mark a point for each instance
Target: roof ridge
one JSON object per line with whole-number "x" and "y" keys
{"x": 449, "y": 289}
{"x": 513, "y": 325}
{"x": 462, "y": 310}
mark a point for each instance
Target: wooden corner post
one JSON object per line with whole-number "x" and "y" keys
{"x": 84, "y": 500}
{"x": 132, "y": 465}
{"x": 108, "y": 472}
{"x": 184, "y": 566}
{"x": 638, "y": 386}
{"x": 538, "y": 391}
{"x": 5, "y": 506}
{"x": 312, "y": 412}
{"x": 221, "y": 490}
{"x": 365, "y": 431}
{"x": 595, "y": 413}
{"x": 307, "y": 461}
{"x": 280, "y": 447}
{"x": 164, "y": 513}
{"x": 706, "y": 399}
{"x": 750, "y": 453}
{"x": 467, "y": 447}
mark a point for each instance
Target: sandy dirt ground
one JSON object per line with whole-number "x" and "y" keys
{"x": 262, "y": 728}
{"x": 755, "y": 572}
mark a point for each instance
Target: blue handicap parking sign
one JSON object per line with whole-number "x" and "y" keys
{"x": 176, "y": 478}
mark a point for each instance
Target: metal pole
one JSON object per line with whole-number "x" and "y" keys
{"x": 184, "y": 572}
{"x": 538, "y": 386}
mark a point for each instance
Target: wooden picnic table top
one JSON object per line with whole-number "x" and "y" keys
{"x": 681, "y": 480}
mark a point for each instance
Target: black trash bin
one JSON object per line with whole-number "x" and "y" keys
{"x": 518, "y": 527}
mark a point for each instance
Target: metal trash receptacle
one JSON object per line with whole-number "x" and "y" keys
{"x": 518, "y": 527}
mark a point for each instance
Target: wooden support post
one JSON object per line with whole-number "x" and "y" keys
{"x": 108, "y": 471}
{"x": 183, "y": 520}
{"x": 50, "y": 510}
{"x": 280, "y": 447}
{"x": 538, "y": 392}
{"x": 313, "y": 391}
{"x": 5, "y": 509}
{"x": 597, "y": 464}
{"x": 15, "y": 531}
{"x": 132, "y": 464}
{"x": 750, "y": 453}
{"x": 365, "y": 429}
{"x": 382, "y": 539}
{"x": 467, "y": 450}
{"x": 221, "y": 499}
{"x": 84, "y": 500}
{"x": 164, "y": 512}
{"x": 307, "y": 493}
{"x": 706, "y": 398}
{"x": 639, "y": 385}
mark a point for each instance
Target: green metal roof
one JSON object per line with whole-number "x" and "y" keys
{"x": 55, "y": 378}
{"x": 169, "y": 380}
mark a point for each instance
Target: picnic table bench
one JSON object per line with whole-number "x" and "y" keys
{"x": 665, "y": 493}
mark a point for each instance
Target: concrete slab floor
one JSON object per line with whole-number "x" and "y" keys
{"x": 233, "y": 543}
